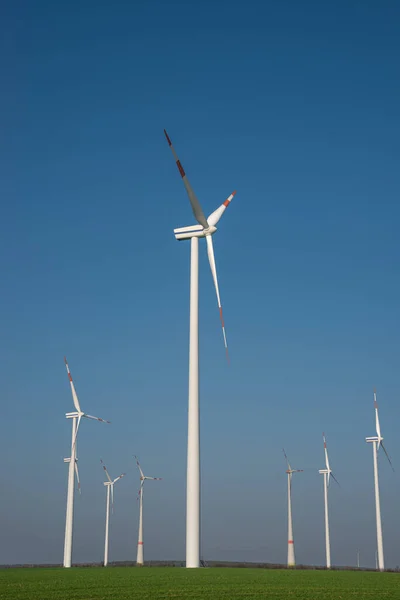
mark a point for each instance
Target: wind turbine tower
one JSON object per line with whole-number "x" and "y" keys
{"x": 205, "y": 228}
{"x": 143, "y": 478}
{"x": 110, "y": 491}
{"x": 75, "y": 419}
{"x": 327, "y": 473}
{"x": 291, "y": 561}
{"x": 376, "y": 442}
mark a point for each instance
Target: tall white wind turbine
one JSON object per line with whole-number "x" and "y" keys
{"x": 76, "y": 419}
{"x": 327, "y": 473}
{"x": 205, "y": 228}
{"x": 376, "y": 442}
{"x": 110, "y": 491}
{"x": 143, "y": 478}
{"x": 291, "y": 561}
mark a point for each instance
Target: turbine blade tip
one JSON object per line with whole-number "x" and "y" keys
{"x": 227, "y": 356}
{"x": 167, "y": 136}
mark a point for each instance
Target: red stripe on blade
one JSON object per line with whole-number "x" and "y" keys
{"x": 168, "y": 140}
{"x": 228, "y": 200}
{"x": 181, "y": 171}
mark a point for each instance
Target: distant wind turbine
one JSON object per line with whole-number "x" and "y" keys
{"x": 143, "y": 478}
{"x": 110, "y": 488}
{"x": 205, "y": 228}
{"x": 76, "y": 419}
{"x": 327, "y": 473}
{"x": 376, "y": 442}
{"x": 291, "y": 562}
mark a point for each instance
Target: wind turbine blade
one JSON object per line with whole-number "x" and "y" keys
{"x": 140, "y": 490}
{"x": 76, "y": 430}
{"x": 77, "y": 477}
{"x": 211, "y": 259}
{"x": 387, "y": 456}
{"x": 215, "y": 216}
{"x": 289, "y": 467}
{"x": 106, "y": 472}
{"x": 74, "y": 394}
{"x": 377, "y": 425}
{"x": 138, "y": 464}
{"x": 196, "y": 208}
{"x": 95, "y": 418}
{"x": 120, "y": 477}
{"x": 326, "y": 455}
{"x": 334, "y": 478}
{"x": 112, "y": 498}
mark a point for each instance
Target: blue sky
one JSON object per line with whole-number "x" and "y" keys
{"x": 294, "y": 105}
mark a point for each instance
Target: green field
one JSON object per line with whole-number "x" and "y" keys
{"x": 156, "y": 583}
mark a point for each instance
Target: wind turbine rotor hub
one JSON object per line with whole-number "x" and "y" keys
{"x": 210, "y": 230}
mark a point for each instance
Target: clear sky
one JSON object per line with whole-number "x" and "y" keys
{"x": 296, "y": 106}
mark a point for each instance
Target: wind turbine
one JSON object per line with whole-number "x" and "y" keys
{"x": 143, "y": 478}
{"x": 205, "y": 228}
{"x": 376, "y": 442}
{"x": 76, "y": 419}
{"x": 291, "y": 562}
{"x": 327, "y": 473}
{"x": 110, "y": 488}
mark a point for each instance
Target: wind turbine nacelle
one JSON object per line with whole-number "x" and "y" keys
{"x": 372, "y": 439}
{"x": 323, "y": 471}
{"x": 72, "y": 415}
{"x": 186, "y": 233}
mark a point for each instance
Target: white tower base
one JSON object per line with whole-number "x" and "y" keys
{"x": 379, "y": 536}
{"x": 291, "y": 561}
{"x": 193, "y": 449}
{"x": 139, "y": 558}
{"x": 107, "y": 526}
{"x": 69, "y": 518}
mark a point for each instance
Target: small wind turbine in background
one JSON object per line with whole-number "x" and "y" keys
{"x": 327, "y": 473}
{"x": 143, "y": 478}
{"x": 291, "y": 562}
{"x": 376, "y": 442}
{"x": 76, "y": 419}
{"x": 205, "y": 228}
{"x": 110, "y": 489}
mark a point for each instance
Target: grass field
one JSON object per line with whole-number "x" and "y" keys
{"x": 160, "y": 583}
